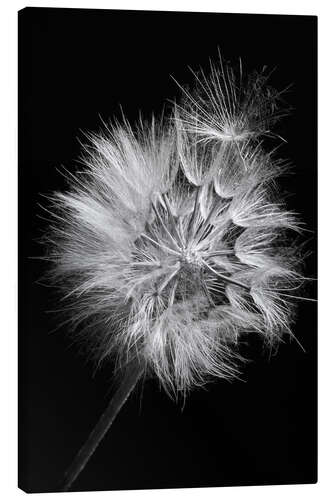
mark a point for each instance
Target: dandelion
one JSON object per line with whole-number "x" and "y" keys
{"x": 173, "y": 243}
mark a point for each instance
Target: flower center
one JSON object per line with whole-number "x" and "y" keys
{"x": 190, "y": 256}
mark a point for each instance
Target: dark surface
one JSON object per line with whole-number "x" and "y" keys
{"x": 75, "y": 65}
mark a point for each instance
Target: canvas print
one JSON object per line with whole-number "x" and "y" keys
{"x": 167, "y": 249}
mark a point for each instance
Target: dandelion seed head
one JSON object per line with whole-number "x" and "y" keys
{"x": 170, "y": 245}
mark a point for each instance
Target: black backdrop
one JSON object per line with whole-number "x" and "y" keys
{"x": 76, "y": 66}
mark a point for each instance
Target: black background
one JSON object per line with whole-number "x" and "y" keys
{"x": 76, "y": 66}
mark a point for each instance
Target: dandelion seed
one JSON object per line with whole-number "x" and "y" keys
{"x": 228, "y": 106}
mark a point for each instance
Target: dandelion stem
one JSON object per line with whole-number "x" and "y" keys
{"x": 171, "y": 216}
{"x": 169, "y": 278}
{"x": 131, "y": 376}
{"x": 144, "y": 235}
{"x": 201, "y": 230}
{"x": 172, "y": 239}
{"x": 219, "y": 253}
{"x": 194, "y": 213}
{"x": 241, "y": 156}
{"x": 226, "y": 278}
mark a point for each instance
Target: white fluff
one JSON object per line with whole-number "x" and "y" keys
{"x": 169, "y": 245}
